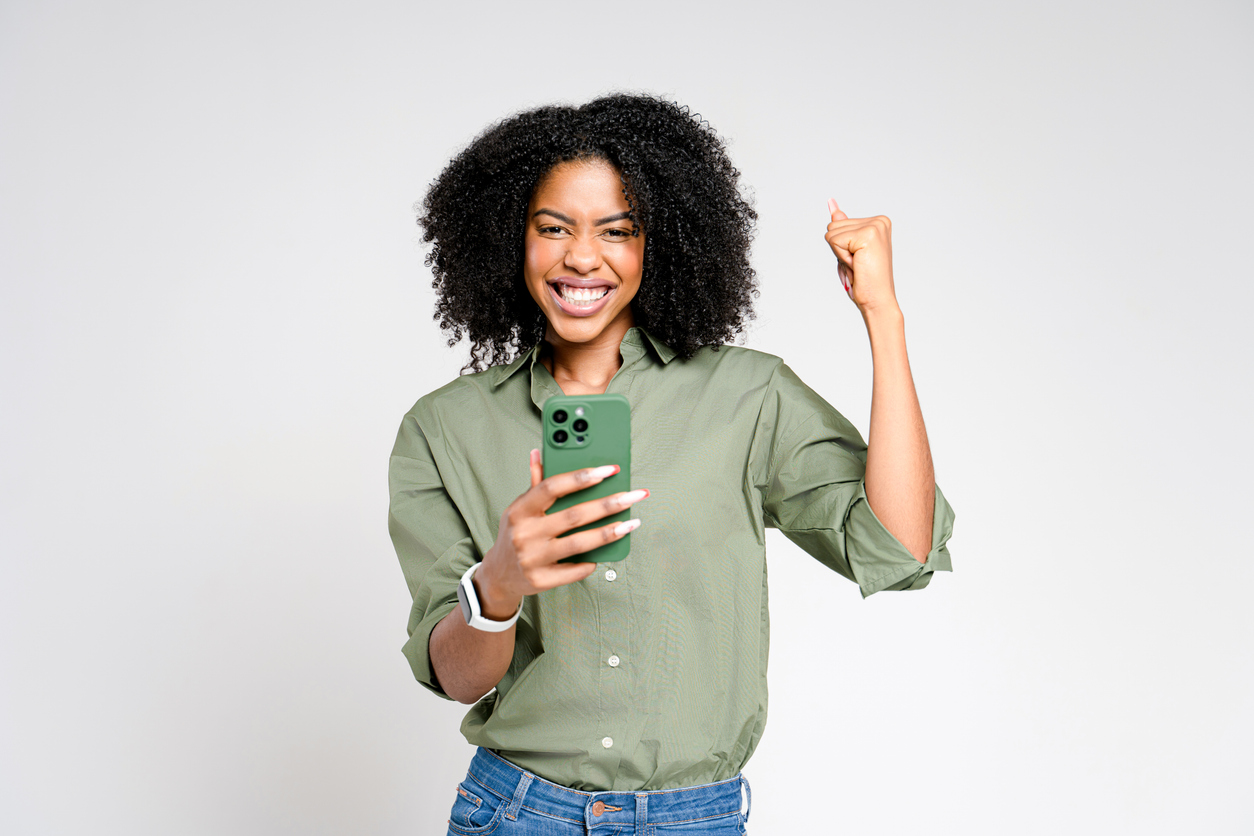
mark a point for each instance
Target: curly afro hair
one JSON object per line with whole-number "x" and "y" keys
{"x": 697, "y": 286}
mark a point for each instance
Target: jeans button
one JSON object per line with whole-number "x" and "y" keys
{"x": 598, "y": 808}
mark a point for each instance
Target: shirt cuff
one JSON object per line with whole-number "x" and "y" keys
{"x": 878, "y": 559}
{"x": 417, "y": 649}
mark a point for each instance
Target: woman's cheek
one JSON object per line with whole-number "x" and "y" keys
{"x": 537, "y": 258}
{"x": 533, "y": 270}
{"x": 632, "y": 265}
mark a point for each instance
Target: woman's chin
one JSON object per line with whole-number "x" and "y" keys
{"x": 577, "y": 333}
{"x": 581, "y": 331}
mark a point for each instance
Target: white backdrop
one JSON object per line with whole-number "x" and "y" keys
{"x": 214, "y": 313}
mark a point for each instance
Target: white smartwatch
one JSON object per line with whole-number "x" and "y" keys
{"x": 473, "y": 613}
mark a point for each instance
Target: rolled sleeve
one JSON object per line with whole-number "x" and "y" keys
{"x": 432, "y": 542}
{"x": 815, "y": 493}
{"x": 878, "y": 559}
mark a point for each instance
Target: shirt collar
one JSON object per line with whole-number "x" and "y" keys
{"x": 632, "y": 348}
{"x": 663, "y": 351}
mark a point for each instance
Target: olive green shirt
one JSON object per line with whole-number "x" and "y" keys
{"x": 651, "y": 673}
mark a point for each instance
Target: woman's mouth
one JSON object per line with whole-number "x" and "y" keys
{"x": 580, "y": 301}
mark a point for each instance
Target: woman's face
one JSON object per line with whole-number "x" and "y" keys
{"x": 582, "y": 265}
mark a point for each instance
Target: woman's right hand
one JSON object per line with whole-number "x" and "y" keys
{"x": 524, "y": 558}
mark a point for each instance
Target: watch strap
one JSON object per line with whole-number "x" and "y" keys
{"x": 473, "y": 612}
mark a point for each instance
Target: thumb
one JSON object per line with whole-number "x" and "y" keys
{"x": 834, "y": 208}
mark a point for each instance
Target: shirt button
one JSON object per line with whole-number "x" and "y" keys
{"x": 607, "y": 742}
{"x": 613, "y": 660}
{"x": 610, "y": 574}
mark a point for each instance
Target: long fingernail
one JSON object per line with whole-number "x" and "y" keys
{"x": 604, "y": 472}
{"x": 627, "y": 527}
{"x": 634, "y": 496}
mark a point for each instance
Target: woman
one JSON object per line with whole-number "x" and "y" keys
{"x": 604, "y": 248}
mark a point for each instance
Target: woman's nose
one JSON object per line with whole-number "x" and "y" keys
{"x": 583, "y": 256}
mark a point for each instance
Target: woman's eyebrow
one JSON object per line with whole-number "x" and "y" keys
{"x": 557, "y": 215}
{"x": 621, "y": 216}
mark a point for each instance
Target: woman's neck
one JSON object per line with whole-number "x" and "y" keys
{"x": 584, "y": 368}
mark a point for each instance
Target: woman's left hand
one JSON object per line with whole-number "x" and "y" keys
{"x": 864, "y": 247}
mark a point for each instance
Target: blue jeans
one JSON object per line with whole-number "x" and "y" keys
{"x": 499, "y": 798}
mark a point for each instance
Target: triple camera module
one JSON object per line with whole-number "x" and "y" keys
{"x": 579, "y": 426}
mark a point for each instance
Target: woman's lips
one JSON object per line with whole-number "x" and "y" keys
{"x": 587, "y": 309}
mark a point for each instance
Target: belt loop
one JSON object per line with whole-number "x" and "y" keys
{"x": 744, "y": 782}
{"x": 642, "y": 812}
{"x": 520, "y": 792}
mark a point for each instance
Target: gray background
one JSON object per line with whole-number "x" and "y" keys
{"x": 214, "y": 314}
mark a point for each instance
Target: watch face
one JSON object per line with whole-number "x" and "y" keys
{"x": 461, "y": 599}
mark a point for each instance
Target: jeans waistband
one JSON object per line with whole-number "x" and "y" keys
{"x": 523, "y": 788}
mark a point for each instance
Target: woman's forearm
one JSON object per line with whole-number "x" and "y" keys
{"x": 468, "y": 662}
{"x": 900, "y": 484}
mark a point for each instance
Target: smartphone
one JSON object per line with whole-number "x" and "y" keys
{"x": 588, "y": 431}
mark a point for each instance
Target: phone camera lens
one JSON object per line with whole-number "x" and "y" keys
{"x": 560, "y": 437}
{"x": 580, "y": 425}
{"x": 559, "y": 416}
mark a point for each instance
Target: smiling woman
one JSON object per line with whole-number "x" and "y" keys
{"x": 603, "y": 249}
{"x": 673, "y": 179}
{"x": 584, "y": 259}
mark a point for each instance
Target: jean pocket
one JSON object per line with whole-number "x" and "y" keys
{"x": 475, "y": 810}
{"x": 731, "y": 824}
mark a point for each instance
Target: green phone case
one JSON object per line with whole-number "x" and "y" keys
{"x": 605, "y": 440}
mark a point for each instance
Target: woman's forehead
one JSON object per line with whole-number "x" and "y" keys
{"x": 592, "y": 182}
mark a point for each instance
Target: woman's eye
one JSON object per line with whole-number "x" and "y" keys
{"x": 550, "y": 230}
{"x": 618, "y": 233}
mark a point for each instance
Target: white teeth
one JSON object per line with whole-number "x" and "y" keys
{"x": 581, "y": 296}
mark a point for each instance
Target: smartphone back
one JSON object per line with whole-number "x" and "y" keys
{"x": 588, "y": 431}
